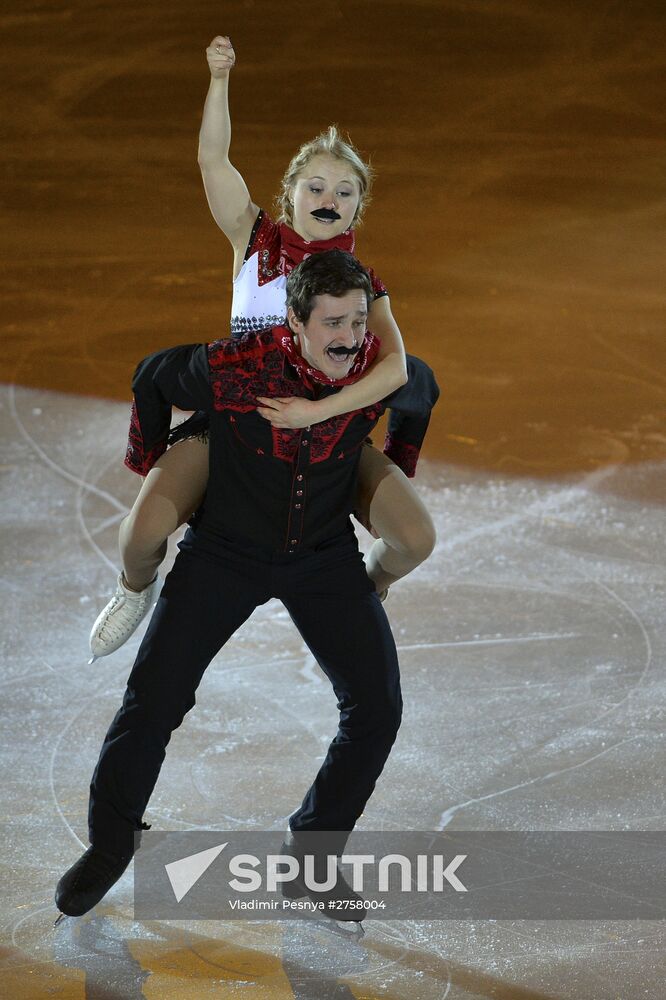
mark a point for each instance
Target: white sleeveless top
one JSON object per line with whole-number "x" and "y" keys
{"x": 253, "y": 306}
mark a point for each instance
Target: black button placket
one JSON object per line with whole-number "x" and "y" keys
{"x": 299, "y": 491}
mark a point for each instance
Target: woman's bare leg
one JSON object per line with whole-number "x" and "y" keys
{"x": 171, "y": 492}
{"x": 389, "y": 506}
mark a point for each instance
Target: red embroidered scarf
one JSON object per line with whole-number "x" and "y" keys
{"x": 285, "y": 340}
{"x": 294, "y": 249}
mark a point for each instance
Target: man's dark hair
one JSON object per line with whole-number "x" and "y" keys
{"x": 332, "y": 272}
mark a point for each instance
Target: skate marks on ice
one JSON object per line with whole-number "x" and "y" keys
{"x": 49, "y": 462}
{"x": 554, "y": 558}
{"x": 449, "y": 814}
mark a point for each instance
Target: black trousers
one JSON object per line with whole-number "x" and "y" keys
{"x": 214, "y": 586}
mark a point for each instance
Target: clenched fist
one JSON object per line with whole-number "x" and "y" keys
{"x": 221, "y": 57}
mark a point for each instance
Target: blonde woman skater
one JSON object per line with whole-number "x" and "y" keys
{"x": 324, "y": 191}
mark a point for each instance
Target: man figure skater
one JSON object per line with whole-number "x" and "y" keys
{"x": 275, "y": 523}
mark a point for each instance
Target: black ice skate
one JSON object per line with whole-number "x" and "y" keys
{"x": 89, "y": 880}
{"x": 338, "y": 904}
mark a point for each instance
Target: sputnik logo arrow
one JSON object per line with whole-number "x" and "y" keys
{"x": 186, "y": 872}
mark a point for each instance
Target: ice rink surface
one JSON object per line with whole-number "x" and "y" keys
{"x": 518, "y": 220}
{"x": 531, "y": 647}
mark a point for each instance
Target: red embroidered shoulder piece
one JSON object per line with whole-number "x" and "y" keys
{"x": 234, "y": 366}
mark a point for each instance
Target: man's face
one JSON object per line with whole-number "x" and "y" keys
{"x": 334, "y": 323}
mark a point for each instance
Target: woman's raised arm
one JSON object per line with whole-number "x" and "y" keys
{"x": 226, "y": 191}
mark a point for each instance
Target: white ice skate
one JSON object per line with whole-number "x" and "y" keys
{"x": 121, "y": 617}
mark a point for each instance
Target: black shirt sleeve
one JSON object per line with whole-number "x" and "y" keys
{"x": 175, "y": 377}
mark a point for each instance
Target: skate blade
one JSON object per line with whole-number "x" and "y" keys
{"x": 92, "y": 659}
{"x": 351, "y": 930}
{"x": 61, "y": 916}
{"x": 345, "y": 928}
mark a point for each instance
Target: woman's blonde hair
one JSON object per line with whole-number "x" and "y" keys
{"x": 331, "y": 143}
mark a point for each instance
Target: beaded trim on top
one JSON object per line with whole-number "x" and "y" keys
{"x": 240, "y": 325}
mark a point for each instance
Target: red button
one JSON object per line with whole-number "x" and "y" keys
{"x": 304, "y": 442}
{"x": 299, "y": 478}
{"x": 299, "y": 493}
